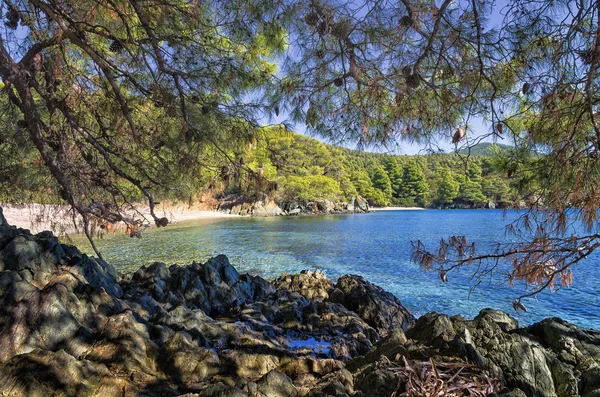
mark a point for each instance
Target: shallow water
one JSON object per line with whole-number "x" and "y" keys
{"x": 374, "y": 245}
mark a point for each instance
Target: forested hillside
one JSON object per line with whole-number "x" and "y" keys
{"x": 277, "y": 163}
{"x": 305, "y": 169}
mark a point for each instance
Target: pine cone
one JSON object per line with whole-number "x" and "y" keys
{"x": 406, "y": 21}
{"x": 116, "y": 46}
{"x": 12, "y": 18}
{"x": 414, "y": 80}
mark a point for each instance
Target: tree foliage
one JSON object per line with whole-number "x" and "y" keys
{"x": 120, "y": 98}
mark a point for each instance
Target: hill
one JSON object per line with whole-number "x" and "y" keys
{"x": 297, "y": 167}
{"x": 484, "y": 149}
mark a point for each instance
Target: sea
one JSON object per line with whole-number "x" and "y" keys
{"x": 375, "y": 245}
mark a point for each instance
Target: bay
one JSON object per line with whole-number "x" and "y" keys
{"x": 374, "y": 245}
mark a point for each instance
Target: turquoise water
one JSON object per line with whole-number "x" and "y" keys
{"x": 374, "y": 245}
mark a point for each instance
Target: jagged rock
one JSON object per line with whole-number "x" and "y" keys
{"x": 433, "y": 329}
{"x": 380, "y": 309}
{"x": 514, "y": 355}
{"x": 214, "y": 287}
{"x": 187, "y": 362}
{"x": 338, "y": 383}
{"x": 276, "y": 384}
{"x": 246, "y": 363}
{"x": 44, "y": 373}
{"x": 311, "y": 285}
{"x": 376, "y": 379}
{"x": 24, "y": 254}
{"x": 390, "y": 347}
{"x": 222, "y": 390}
{"x": 361, "y": 205}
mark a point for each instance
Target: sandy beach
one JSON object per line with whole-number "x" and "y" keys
{"x": 59, "y": 219}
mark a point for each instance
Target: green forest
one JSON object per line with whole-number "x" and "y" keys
{"x": 306, "y": 169}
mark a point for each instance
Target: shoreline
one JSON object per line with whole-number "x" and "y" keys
{"x": 58, "y": 218}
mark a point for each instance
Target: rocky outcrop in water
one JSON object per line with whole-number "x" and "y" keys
{"x": 70, "y": 327}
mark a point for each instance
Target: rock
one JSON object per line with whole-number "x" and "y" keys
{"x": 44, "y": 373}
{"x": 312, "y": 285}
{"x": 70, "y": 327}
{"x": 326, "y": 206}
{"x": 187, "y": 362}
{"x": 214, "y": 287}
{"x": 3, "y": 221}
{"x": 377, "y": 379}
{"x": 269, "y": 208}
{"x": 276, "y": 384}
{"x": 390, "y": 347}
{"x": 560, "y": 336}
{"x": 218, "y": 270}
{"x": 33, "y": 318}
{"x": 516, "y": 357}
{"x": 248, "y": 364}
{"x": 433, "y": 329}
{"x": 23, "y": 253}
{"x": 222, "y": 390}
{"x": 361, "y": 205}
{"x": 380, "y": 309}
{"x": 338, "y": 383}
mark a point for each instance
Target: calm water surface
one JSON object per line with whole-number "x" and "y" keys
{"x": 374, "y": 245}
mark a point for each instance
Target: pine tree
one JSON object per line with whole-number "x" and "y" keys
{"x": 395, "y": 174}
{"x": 381, "y": 181}
{"x": 414, "y": 186}
{"x": 447, "y": 188}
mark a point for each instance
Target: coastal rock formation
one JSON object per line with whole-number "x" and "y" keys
{"x": 70, "y": 327}
{"x": 238, "y": 205}
{"x": 380, "y": 309}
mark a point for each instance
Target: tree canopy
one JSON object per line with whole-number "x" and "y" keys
{"x": 113, "y": 101}
{"x": 119, "y": 98}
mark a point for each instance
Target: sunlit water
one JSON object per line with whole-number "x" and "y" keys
{"x": 375, "y": 245}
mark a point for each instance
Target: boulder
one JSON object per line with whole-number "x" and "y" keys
{"x": 270, "y": 208}
{"x": 433, "y": 329}
{"x": 187, "y": 362}
{"x": 377, "y": 307}
{"x": 276, "y": 384}
{"x": 45, "y": 373}
{"x": 312, "y": 285}
{"x": 361, "y": 205}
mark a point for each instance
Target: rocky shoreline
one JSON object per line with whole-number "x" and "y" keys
{"x": 70, "y": 327}
{"x": 238, "y": 205}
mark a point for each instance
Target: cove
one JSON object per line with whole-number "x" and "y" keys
{"x": 374, "y": 245}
